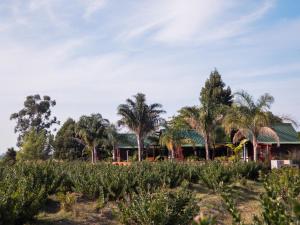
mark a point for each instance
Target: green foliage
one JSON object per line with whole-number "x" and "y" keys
{"x": 231, "y": 208}
{"x": 92, "y": 132}
{"x": 214, "y": 174}
{"x": 66, "y": 147}
{"x": 67, "y": 200}
{"x": 140, "y": 118}
{"x": 160, "y": 208}
{"x": 214, "y": 93}
{"x": 214, "y": 99}
{"x": 280, "y": 202}
{"x": 249, "y": 170}
{"x": 10, "y": 156}
{"x": 36, "y": 115}
{"x": 251, "y": 118}
{"x": 35, "y": 146}
{"x": 237, "y": 149}
{"x": 24, "y": 189}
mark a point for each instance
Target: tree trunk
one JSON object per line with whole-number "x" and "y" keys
{"x": 207, "y": 147}
{"x": 140, "y": 147}
{"x": 206, "y": 150}
{"x": 254, "y": 149}
{"x": 95, "y": 154}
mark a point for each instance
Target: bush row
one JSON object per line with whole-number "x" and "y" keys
{"x": 24, "y": 188}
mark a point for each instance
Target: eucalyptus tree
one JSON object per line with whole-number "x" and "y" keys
{"x": 140, "y": 118}
{"x": 36, "y": 115}
{"x": 92, "y": 132}
{"x": 251, "y": 119}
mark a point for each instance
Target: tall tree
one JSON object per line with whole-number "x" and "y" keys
{"x": 214, "y": 94}
{"x": 66, "y": 146}
{"x": 92, "y": 132}
{"x": 35, "y": 115}
{"x": 251, "y": 118}
{"x": 214, "y": 99}
{"x": 140, "y": 118}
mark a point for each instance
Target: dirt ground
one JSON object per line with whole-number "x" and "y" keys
{"x": 85, "y": 211}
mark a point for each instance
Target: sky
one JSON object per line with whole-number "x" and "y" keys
{"x": 91, "y": 55}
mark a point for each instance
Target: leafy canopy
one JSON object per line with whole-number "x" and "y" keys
{"x": 36, "y": 115}
{"x": 140, "y": 117}
{"x": 65, "y": 144}
{"x": 35, "y": 146}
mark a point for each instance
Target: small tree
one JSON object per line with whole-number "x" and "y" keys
{"x": 35, "y": 146}
{"x": 92, "y": 132}
{"x": 251, "y": 118}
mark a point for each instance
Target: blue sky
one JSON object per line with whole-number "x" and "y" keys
{"x": 90, "y": 55}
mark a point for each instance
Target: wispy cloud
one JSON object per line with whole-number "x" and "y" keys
{"x": 177, "y": 21}
{"x": 92, "y": 54}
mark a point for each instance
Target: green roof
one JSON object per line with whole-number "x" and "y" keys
{"x": 128, "y": 140}
{"x": 286, "y": 132}
{"x": 198, "y": 141}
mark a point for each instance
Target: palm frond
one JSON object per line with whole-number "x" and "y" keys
{"x": 289, "y": 119}
{"x": 265, "y": 101}
{"x": 241, "y": 133}
{"x": 269, "y": 132}
{"x": 244, "y": 99}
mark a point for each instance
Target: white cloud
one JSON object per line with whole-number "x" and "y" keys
{"x": 92, "y": 6}
{"x": 181, "y": 21}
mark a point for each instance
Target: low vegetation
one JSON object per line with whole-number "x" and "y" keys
{"x": 144, "y": 193}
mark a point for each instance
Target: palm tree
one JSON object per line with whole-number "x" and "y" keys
{"x": 140, "y": 118}
{"x": 173, "y": 138}
{"x": 201, "y": 121}
{"x": 91, "y": 131}
{"x": 251, "y": 118}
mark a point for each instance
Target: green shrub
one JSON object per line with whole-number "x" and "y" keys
{"x": 24, "y": 189}
{"x": 214, "y": 174}
{"x": 160, "y": 208}
{"x": 249, "y": 170}
{"x": 279, "y": 202}
{"x": 67, "y": 201}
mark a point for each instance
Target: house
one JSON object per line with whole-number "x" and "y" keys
{"x": 267, "y": 147}
{"x": 127, "y": 147}
{"x": 289, "y": 144}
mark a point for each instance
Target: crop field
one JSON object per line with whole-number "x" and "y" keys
{"x": 148, "y": 193}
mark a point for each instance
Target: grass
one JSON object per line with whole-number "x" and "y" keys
{"x": 85, "y": 212}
